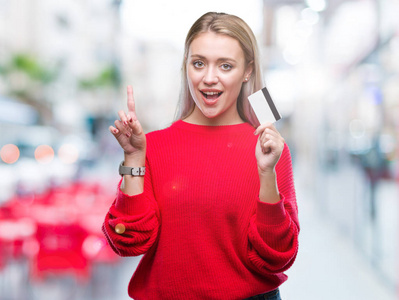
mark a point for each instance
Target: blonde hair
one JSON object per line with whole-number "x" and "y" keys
{"x": 236, "y": 28}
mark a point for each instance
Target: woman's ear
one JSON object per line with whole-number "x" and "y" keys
{"x": 248, "y": 71}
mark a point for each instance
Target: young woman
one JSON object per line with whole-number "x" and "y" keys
{"x": 215, "y": 214}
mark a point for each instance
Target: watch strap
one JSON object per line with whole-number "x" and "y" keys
{"x": 133, "y": 171}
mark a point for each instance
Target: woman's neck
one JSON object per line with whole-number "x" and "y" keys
{"x": 197, "y": 118}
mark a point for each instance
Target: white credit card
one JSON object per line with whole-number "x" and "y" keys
{"x": 264, "y": 107}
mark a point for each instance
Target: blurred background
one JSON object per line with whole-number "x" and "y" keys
{"x": 331, "y": 66}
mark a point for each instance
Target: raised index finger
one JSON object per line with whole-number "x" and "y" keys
{"x": 130, "y": 101}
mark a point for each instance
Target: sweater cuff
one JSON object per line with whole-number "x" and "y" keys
{"x": 270, "y": 214}
{"x": 131, "y": 205}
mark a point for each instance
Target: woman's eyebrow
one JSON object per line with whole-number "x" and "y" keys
{"x": 218, "y": 60}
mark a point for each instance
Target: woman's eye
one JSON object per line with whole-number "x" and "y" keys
{"x": 226, "y": 67}
{"x": 198, "y": 64}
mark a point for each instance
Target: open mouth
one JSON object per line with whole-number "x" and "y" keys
{"x": 211, "y": 95}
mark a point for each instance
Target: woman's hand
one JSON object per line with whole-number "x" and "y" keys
{"x": 269, "y": 148}
{"x": 129, "y": 132}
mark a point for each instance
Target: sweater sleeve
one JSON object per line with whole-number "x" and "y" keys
{"x": 274, "y": 228}
{"x": 139, "y": 215}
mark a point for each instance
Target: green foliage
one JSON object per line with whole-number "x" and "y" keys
{"x": 108, "y": 77}
{"x": 30, "y": 66}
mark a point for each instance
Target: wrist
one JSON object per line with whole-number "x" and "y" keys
{"x": 268, "y": 180}
{"x": 268, "y": 191}
{"x": 267, "y": 173}
{"x": 136, "y": 159}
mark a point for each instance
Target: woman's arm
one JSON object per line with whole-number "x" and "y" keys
{"x": 132, "y": 222}
{"x": 273, "y": 230}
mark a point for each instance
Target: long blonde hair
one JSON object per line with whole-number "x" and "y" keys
{"x": 236, "y": 28}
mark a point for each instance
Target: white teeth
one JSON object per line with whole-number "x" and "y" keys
{"x": 210, "y": 93}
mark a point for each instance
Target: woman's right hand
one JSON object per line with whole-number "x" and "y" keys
{"x": 128, "y": 131}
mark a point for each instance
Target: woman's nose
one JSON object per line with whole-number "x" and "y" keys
{"x": 210, "y": 76}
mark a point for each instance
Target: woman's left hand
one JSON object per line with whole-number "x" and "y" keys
{"x": 269, "y": 147}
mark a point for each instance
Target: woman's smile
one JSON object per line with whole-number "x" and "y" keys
{"x": 211, "y": 96}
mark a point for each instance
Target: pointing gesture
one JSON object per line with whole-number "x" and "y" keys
{"x": 128, "y": 131}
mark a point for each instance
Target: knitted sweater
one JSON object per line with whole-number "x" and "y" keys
{"x": 204, "y": 232}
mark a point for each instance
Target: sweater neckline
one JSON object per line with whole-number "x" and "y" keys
{"x": 208, "y": 129}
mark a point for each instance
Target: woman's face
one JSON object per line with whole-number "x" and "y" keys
{"x": 216, "y": 70}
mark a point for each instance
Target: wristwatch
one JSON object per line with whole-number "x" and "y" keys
{"x": 135, "y": 171}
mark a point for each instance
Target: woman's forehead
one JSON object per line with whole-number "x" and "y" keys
{"x": 210, "y": 44}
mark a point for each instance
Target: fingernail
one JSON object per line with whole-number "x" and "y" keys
{"x": 125, "y": 122}
{"x": 115, "y": 131}
{"x": 128, "y": 134}
{"x": 131, "y": 120}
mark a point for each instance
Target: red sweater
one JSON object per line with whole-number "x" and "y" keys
{"x": 200, "y": 223}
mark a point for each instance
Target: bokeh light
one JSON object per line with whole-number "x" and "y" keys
{"x": 68, "y": 153}
{"x": 44, "y": 154}
{"x": 310, "y": 16}
{"x": 9, "y": 153}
